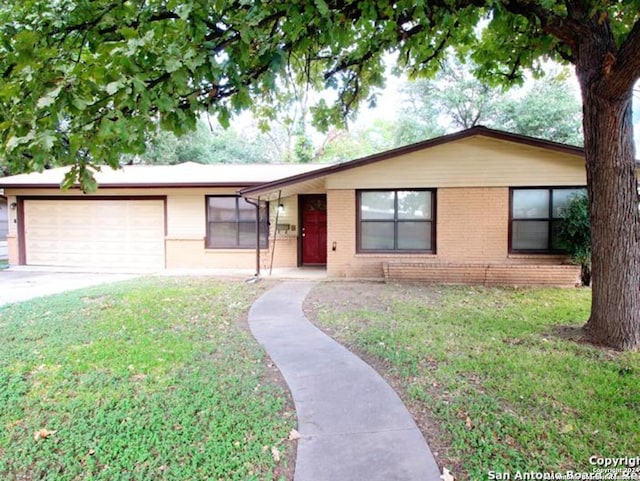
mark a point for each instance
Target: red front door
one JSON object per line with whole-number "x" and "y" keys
{"x": 314, "y": 229}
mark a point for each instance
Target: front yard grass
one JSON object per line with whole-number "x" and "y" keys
{"x": 502, "y": 373}
{"x": 149, "y": 379}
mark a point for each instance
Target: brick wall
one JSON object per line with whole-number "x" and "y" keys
{"x": 472, "y": 244}
{"x": 511, "y": 274}
{"x": 341, "y": 232}
{"x": 472, "y": 224}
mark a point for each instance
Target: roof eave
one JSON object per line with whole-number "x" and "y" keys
{"x": 176, "y": 185}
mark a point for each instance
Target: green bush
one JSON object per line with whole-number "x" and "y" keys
{"x": 574, "y": 234}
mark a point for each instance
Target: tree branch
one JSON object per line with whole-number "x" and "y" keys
{"x": 626, "y": 69}
{"x": 156, "y": 17}
{"x": 439, "y": 49}
{"x": 88, "y": 25}
{"x": 564, "y": 55}
{"x": 565, "y": 29}
{"x": 345, "y": 64}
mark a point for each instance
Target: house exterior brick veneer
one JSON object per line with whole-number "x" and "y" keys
{"x": 466, "y": 182}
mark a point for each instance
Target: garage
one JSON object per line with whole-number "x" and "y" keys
{"x": 115, "y": 233}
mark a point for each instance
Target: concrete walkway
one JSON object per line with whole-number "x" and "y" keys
{"x": 23, "y": 285}
{"x": 354, "y": 427}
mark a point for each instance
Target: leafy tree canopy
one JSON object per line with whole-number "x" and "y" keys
{"x": 84, "y": 81}
{"x": 455, "y": 95}
{"x": 208, "y": 144}
{"x": 549, "y": 110}
{"x": 454, "y": 99}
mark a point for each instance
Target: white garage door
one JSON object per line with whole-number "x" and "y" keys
{"x": 95, "y": 233}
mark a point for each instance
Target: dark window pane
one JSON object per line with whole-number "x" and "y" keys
{"x": 530, "y": 235}
{"x": 377, "y": 205}
{"x": 414, "y": 235}
{"x": 556, "y": 243}
{"x": 246, "y": 210}
{"x": 562, "y": 198}
{"x": 222, "y": 209}
{"x": 247, "y": 236}
{"x": 414, "y": 204}
{"x": 223, "y": 234}
{"x": 396, "y": 220}
{"x": 531, "y": 204}
{"x": 376, "y": 235}
{"x": 232, "y": 223}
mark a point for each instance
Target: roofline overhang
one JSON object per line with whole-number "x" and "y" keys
{"x": 187, "y": 185}
{"x": 472, "y": 132}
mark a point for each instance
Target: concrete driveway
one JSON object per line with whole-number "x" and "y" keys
{"x": 18, "y": 285}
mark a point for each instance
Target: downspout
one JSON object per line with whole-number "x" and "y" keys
{"x": 275, "y": 232}
{"x": 257, "y": 206}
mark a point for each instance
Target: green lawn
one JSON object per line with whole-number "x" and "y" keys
{"x": 500, "y": 371}
{"x": 152, "y": 379}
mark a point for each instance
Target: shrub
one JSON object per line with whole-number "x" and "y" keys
{"x": 574, "y": 234}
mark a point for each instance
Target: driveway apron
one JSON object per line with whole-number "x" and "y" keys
{"x": 18, "y": 286}
{"x": 353, "y": 426}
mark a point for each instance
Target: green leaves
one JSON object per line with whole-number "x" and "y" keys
{"x": 82, "y": 174}
{"x": 112, "y": 87}
{"x": 550, "y": 109}
{"x": 68, "y": 66}
{"x": 25, "y": 41}
{"x": 49, "y": 98}
{"x": 322, "y": 6}
{"x": 574, "y": 233}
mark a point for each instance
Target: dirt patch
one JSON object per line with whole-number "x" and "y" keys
{"x": 570, "y": 333}
{"x": 580, "y": 335}
{"x": 372, "y": 296}
{"x": 379, "y": 297}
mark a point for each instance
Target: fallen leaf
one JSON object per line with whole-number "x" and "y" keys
{"x": 43, "y": 434}
{"x": 293, "y": 435}
{"x": 566, "y": 429}
{"x": 446, "y": 475}
{"x": 91, "y": 452}
{"x": 469, "y": 423}
{"x": 275, "y": 453}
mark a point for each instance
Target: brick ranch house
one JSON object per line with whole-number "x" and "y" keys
{"x": 478, "y": 206}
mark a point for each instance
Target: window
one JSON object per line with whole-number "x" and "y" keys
{"x": 231, "y": 223}
{"x": 535, "y": 213}
{"x": 396, "y": 220}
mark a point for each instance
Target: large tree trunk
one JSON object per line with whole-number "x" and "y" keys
{"x": 613, "y": 200}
